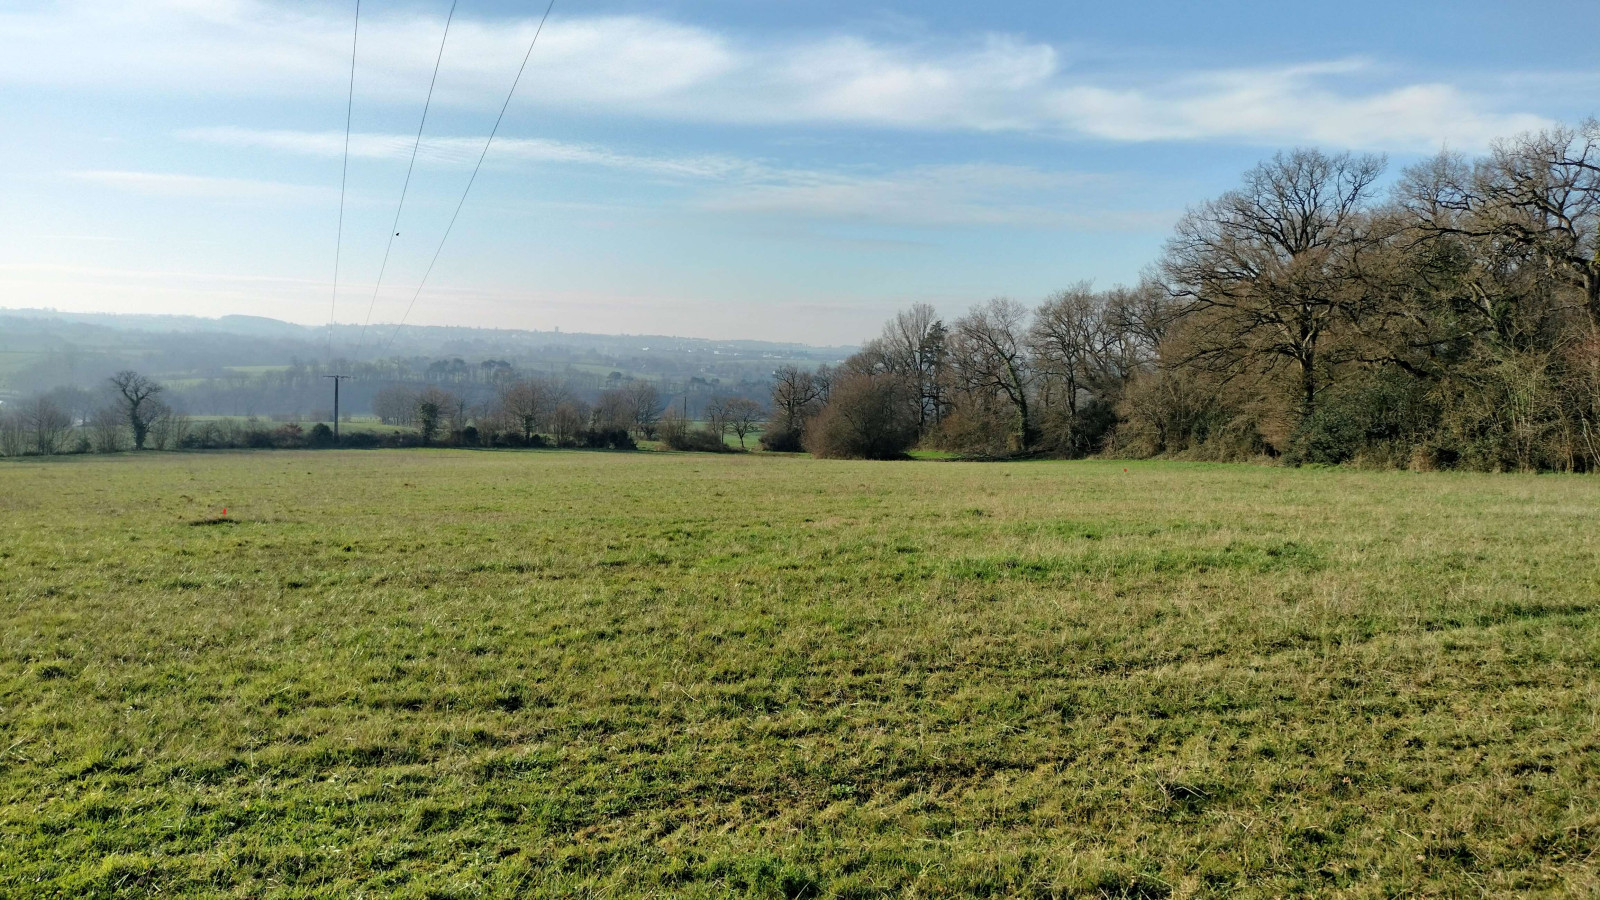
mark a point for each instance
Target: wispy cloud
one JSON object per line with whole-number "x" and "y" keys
{"x": 943, "y": 196}
{"x": 1291, "y": 104}
{"x": 651, "y": 67}
{"x": 461, "y": 151}
{"x": 163, "y": 184}
{"x": 924, "y": 196}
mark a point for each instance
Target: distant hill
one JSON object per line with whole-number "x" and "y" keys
{"x": 41, "y": 349}
{"x": 412, "y": 337}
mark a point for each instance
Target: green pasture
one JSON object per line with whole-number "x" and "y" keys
{"x": 558, "y": 674}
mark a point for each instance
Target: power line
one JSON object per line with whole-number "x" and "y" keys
{"x": 463, "y": 202}
{"x": 344, "y": 178}
{"x": 394, "y": 230}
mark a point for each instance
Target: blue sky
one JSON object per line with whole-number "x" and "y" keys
{"x": 778, "y": 170}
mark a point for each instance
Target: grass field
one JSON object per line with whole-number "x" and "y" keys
{"x": 347, "y": 425}
{"x": 459, "y": 674}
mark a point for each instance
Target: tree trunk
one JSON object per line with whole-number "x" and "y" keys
{"x": 1308, "y": 387}
{"x": 140, "y": 429}
{"x": 1024, "y": 422}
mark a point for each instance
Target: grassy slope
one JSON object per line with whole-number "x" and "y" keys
{"x": 467, "y": 674}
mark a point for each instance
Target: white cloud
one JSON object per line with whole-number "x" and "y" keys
{"x": 260, "y": 48}
{"x": 650, "y": 67}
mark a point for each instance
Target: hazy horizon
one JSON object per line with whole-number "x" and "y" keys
{"x": 121, "y": 318}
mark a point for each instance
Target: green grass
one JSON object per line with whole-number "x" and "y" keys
{"x": 752, "y": 440}
{"x": 465, "y": 674}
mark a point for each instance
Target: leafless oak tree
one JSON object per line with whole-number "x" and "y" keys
{"x": 1539, "y": 192}
{"x": 913, "y": 345}
{"x": 989, "y": 358}
{"x": 796, "y": 395}
{"x": 743, "y": 417}
{"x": 1063, "y": 339}
{"x": 139, "y": 404}
{"x": 1265, "y": 271}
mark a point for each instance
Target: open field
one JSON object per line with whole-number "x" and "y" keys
{"x": 347, "y": 424}
{"x": 464, "y": 674}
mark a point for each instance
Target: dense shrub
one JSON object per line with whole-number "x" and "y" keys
{"x": 1377, "y": 418}
{"x": 703, "y": 440}
{"x": 970, "y": 430}
{"x": 867, "y": 417}
{"x": 1166, "y": 413}
{"x": 606, "y": 439}
{"x": 782, "y": 440}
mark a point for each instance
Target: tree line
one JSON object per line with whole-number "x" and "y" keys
{"x": 518, "y": 410}
{"x": 133, "y": 415}
{"x": 1312, "y": 315}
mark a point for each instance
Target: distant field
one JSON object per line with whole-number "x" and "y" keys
{"x": 12, "y": 361}
{"x": 507, "y": 674}
{"x": 349, "y": 426}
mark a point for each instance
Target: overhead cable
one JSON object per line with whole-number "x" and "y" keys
{"x": 344, "y": 178}
{"x": 486, "y": 144}
{"x": 394, "y": 229}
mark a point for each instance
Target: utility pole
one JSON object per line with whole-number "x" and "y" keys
{"x": 336, "y": 380}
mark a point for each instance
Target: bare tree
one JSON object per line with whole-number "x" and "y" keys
{"x": 716, "y": 414}
{"x": 395, "y": 404}
{"x": 644, "y": 407}
{"x": 458, "y": 414}
{"x": 1266, "y": 271}
{"x": 1063, "y": 338}
{"x": 913, "y": 345}
{"x": 568, "y": 420}
{"x": 614, "y": 409}
{"x": 169, "y": 428}
{"x": 989, "y": 359}
{"x": 743, "y": 416}
{"x": 13, "y": 434}
{"x": 529, "y": 402}
{"x": 1136, "y": 322}
{"x": 823, "y": 378}
{"x": 1086, "y": 345}
{"x": 796, "y": 394}
{"x": 139, "y": 403}
{"x": 1539, "y": 192}
{"x": 47, "y": 424}
{"x": 107, "y": 426}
